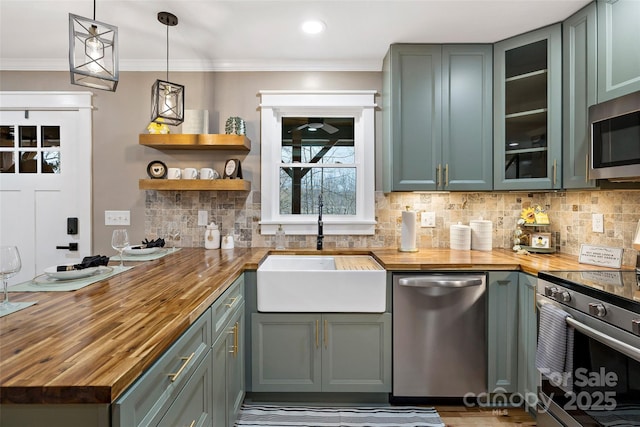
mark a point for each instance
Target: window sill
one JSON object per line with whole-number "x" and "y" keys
{"x": 330, "y": 227}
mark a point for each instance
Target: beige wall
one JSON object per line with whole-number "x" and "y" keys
{"x": 119, "y": 161}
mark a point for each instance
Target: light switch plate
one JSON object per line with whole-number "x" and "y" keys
{"x": 427, "y": 219}
{"x": 117, "y": 217}
{"x": 597, "y": 223}
{"x": 203, "y": 217}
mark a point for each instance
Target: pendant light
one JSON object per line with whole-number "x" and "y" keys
{"x": 93, "y": 52}
{"x": 167, "y": 99}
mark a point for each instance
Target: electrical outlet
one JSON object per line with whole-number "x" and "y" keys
{"x": 117, "y": 218}
{"x": 427, "y": 219}
{"x": 597, "y": 223}
{"x": 203, "y": 218}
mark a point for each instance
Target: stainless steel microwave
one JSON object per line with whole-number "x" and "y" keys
{"x": 614, "y": 139}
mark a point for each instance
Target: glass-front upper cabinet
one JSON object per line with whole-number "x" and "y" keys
{"x": 528, "y": 109}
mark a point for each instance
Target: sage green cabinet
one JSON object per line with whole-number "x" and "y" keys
{"x": 437, "y": 117}
{"x": 228, "y": 354}
{"x": 502, "y": 332}
{"x": 193, "y": 406}
{"x": 579, "y": 91}
{"x": 285, "y": 353}
{"x": 235, "y": 369}
{"x": 321, "y": 352}
{"x": 527, "y": 111}
{"x": 467, "y": 115}
{"x": 512, "y": 335}
{"x": 618, "y": 48}
{"x": 356, "y": 352}
{"x": 527, "y": 340}
{"x": 147, "y": 400}
{"x": 228, "y": 371}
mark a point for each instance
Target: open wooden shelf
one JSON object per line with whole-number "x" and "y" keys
{"x": 195, "y": 184}
{"x": 185, "y": 141}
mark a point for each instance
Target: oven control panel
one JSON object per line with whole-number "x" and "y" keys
{"x": 590, "y": 306}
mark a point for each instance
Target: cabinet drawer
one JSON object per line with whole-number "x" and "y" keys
{"x": 192, "y": 407}
{"x": 224, "y": 306}
{"x": 148, "y": 398}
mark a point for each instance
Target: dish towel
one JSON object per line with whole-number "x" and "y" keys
{"x": 554, "y": 355}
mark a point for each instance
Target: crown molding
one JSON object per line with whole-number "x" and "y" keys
{"x": 201, "y": 65}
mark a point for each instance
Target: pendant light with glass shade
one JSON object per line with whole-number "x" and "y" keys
{"x": 93, "y": 52}
{"x": 167, "y": 99}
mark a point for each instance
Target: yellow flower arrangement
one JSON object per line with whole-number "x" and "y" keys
{"x": 529, "y": 215}
{"x": 158, "y": 128}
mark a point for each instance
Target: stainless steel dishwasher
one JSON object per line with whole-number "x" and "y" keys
{"x": 439, "y": 335}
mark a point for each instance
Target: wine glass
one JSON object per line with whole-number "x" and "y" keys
{"x": 10, "y": 264}
{"x": 174, "y": 233}
{"x": 119, "y": 241}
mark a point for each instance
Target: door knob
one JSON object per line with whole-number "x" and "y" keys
{"x": 71, "y": 247}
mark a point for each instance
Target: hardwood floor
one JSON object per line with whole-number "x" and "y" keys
{"x": 461, "y": 416}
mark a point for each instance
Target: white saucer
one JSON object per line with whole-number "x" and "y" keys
{"x": 142, "y": 251}
{"x": 71, "y": 274}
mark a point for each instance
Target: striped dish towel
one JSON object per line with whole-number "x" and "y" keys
{"x": 554, "y": 355}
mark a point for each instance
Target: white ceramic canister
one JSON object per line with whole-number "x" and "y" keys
{"x": 227, "y": 242}
{"x": 212, "y": 237}
{"x": 460, "y": 237}
{"x": 481, "y": 234}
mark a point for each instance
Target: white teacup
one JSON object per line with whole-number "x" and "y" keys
{"x": 208, "y": 173}
{"x": 174, "y": 173}
{"x": 189, "y": 173}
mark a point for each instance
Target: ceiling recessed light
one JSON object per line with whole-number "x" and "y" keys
{"x": 313, "y": 26}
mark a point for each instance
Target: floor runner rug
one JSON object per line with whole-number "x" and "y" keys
{"x": 253, "y": 415}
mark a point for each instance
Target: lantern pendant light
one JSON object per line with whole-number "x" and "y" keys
{"x": 167, "y": 99}
{"x": 93, "y": 52}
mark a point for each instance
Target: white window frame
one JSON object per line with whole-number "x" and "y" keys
{"x": 358, "y": 104}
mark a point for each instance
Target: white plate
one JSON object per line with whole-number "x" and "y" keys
{"x": 143, "y": 251}
{"x": 68, "y": 275}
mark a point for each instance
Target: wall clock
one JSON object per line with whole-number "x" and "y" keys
{"x": 232, "y": 169}
{"x": 157, "y": 170}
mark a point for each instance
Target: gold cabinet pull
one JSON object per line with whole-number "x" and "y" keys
{"x": 317, "y": 326}
{"x": 438, "y": 175}
{"x": 235, "y": 338}
{"x": 446, "y": 175}
{"x": 324, "y": 337}
{"x": 233, "y": 301}
{"x": 554, "y": 171}
{"x": 186, "y": 360}
{"x": 234, "y": 346}
{"x": 192, "y": 423}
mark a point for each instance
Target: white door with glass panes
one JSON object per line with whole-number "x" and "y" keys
{"x": 45, "y": 178}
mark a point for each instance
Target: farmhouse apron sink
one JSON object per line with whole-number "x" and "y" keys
{"x": 321, "y": 283}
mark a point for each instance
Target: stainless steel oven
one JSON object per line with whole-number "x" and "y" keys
{"x": 603, "y": 387}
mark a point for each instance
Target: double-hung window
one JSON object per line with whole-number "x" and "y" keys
{"x": 318, "y": 146}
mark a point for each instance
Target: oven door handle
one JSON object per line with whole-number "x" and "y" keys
{"x": 622, "y": 347}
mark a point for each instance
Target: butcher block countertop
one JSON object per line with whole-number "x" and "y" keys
{"x": 89, "y": 345}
